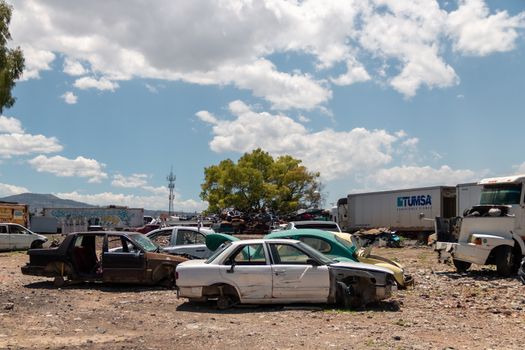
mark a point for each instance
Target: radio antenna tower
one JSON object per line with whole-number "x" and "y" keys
{"x": 171, "y": 185}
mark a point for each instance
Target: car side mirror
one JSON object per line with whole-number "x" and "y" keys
{"x": 312, "y": 262}
{"x": 232, "y": 263}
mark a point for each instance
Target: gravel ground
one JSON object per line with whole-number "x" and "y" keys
{"x": 445, "y": 310}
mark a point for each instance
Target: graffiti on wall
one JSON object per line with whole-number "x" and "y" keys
{"x": 78, "y": 219}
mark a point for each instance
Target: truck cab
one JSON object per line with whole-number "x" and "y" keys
{"x": 492, "y": 232}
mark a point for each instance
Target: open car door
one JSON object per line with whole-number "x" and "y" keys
{"x": 127, "y": 263}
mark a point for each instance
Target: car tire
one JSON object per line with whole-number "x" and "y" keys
{"x": 59, "y": 281}
{"x": 169, "y": 280}
{"x": 505, "y": 261}
{"x": 37, "y": 244}
{"x": 461, "y": 266}
{"x": 225, "y": 302}
{"x": 521, "y": 271}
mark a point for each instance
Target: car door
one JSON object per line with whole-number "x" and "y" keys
{"x": 248, "y": 269}
{"x": 5, "y": 241}
{"x": 20, "y": 238}
{"x": 191, "y": 242}
{"x": 294, "y": 278}
{"x": 127, "y": 264}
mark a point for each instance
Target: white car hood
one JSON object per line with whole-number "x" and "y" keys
{"x": 361, "y": 266}
{"x": 192, "y": 262}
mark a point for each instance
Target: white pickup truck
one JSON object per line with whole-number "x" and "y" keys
{"x": 492, "y": 232}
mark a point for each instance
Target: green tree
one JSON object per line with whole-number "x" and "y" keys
{"x": 258, "y": 181}
{"x": 11, "y": 60}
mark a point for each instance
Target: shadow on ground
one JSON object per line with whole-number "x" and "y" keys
{"x": 104, "y": 287}
{"x": 478, "y": 275}
{"x": 211, "y": 308}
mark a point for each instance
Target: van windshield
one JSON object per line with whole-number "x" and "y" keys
{"x": 500, "y": 195}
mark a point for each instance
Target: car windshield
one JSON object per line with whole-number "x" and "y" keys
{"x": 145, "y": 243}
{"x": 500, "y": 195}
{"x": 351, "y": 248}
{"x": 315, "y": 254}
{"x": 219, "y": 250}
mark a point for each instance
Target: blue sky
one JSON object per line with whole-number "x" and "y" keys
{"x": 379, "y": 94}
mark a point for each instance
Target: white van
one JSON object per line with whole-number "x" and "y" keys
{"x": 17, "y": 237}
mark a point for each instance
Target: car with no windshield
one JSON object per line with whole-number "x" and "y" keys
{"x": 268, "y": 271}
{"x": 105, "y": 256}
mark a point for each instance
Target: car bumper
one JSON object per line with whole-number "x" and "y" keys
{"x": 189, "y": 292}
{"x": 469, "y": 252}
{"x": 34, "y": 270}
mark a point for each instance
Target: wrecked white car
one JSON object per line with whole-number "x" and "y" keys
{"x": 280, "y": 271}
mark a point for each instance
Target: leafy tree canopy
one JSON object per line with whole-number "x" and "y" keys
{"x": 11, "y": 60}
{"x": 260, "y": 182}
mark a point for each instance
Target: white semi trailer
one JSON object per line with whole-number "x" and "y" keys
{"x": 409, "y": 211}
{"x": 492, "y": 232}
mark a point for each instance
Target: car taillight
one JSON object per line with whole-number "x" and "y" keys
{"x": 477, "y": 241}
{"x": 176, "y": 275}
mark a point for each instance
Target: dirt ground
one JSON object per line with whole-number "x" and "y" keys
{"x": 445, "y": 310}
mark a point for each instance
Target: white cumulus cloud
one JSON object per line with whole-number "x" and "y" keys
{"x": 64, "y": 167}
{"x": 368, "y": 156}
{"x": 476, "y": 32}
{"x": 92, "y": 83}
{"x": 236, "y": 41}
{"x": 10, "y": 125}
{"x": 355, "y": 72}
{"x": 154, "y": 201}
{"x": 333, "y": 153}
{"x": 36, "y": 61}
{"x": 420, "y": 176}
{"x": 132, "y": 181}
{"x": 10, "y": 190}
{"x": 15, "y": 142}
{"x": 69, "y": 97}
{"x": 73, "y": 67}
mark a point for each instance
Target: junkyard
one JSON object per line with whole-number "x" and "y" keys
{"x": 271, "y": 174}
{"x": 444, "y": 310}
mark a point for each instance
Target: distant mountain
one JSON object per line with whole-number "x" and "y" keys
{"x": 36, "y": 201}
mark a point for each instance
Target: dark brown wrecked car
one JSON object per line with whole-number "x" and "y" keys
{"x": 120, "y": 257}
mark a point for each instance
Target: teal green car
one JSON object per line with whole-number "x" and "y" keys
{"x": 325, "y": 242}
{"x": 338, "y": 246}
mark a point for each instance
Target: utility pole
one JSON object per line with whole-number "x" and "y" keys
{"x": 171, "y": 185}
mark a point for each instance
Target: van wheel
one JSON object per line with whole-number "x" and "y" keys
{"x": 461, "y": 266}
{"x": 505, "y": 261}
